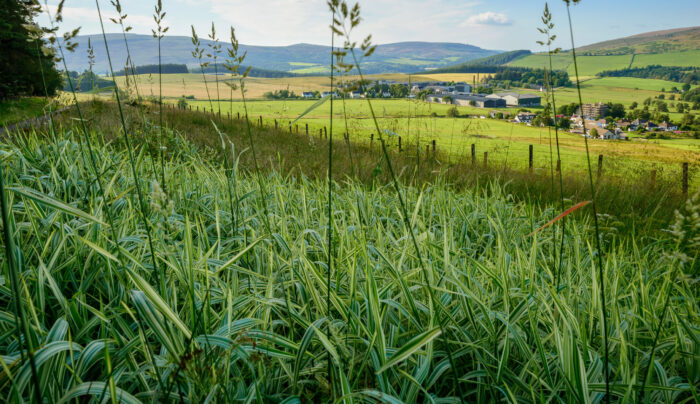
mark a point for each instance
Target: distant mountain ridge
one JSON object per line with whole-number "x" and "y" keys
{"x": 299, "y": 58}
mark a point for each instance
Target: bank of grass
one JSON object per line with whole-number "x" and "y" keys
{"x": 626, "y": 192}
{"x": 454, "y": 136}
{"x": 238, "y": 312}
{"x": 21, "y": 109}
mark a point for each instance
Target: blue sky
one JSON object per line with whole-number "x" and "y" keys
{"x": 491, "y": 24}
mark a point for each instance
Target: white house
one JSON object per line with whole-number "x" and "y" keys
{"x": 307, "y": 94}
{"x": 525, "y": 117}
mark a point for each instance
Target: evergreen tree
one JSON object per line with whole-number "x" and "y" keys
{"x": 23, "y": 54}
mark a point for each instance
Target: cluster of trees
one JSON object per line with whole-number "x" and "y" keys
{"x": 169, "y": 68}
{"x": 281, "y": 95}
{"x": 87, "y": 81}
{"x": 692, "y": 96}
{"x": 518, "y": 77}
{"x": 395, "y": 90}
{"x": 254, "y": 71}
{"x": 615, "y": 110}
{"x": 24, "y": 55}
{"x": 678, "y": 74}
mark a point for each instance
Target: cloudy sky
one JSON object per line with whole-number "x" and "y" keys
{"x": 491, "y": 24}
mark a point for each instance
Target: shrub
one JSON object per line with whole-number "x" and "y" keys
{"x": 453, "y": 112}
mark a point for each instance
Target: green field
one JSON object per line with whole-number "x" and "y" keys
{"x": 686, "y": 58}
{"x": 14, "y": 111}
{"x": 505, "y": 142}
{"x": 591, "y": 65}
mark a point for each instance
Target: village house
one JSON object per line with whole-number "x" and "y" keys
{"x": 525, "y": 117}
{"x": 623, "y": 125}
{"x": 519, "y": 100}
{"x": 307, "y": 94}
{"x": 667, "y": 126}
{"x": 357, "y": 94}
{"x": 637, "y": 123}
{"x": 327, "y": 93}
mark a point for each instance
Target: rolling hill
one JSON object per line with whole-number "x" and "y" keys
{"x": 494, "y": 60}
{"x": 675, "y": 47}
{"x": 667, "y": 41}
{"x": 300, "y": 58}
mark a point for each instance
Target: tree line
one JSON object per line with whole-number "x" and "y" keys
{"x": 24, "y": 56}
{"x": 677, "y": 74}
{"x": 169, "y": 68}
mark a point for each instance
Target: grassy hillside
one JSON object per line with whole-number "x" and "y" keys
{"x": 225, "y": 292}
{"x": 667, "y": 41}
{"x": 300, "y": 58}
{"x": 591, "y": 65}
{"x": 495, "y": 60}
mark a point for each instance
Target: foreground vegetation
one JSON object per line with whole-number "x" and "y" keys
{"x": 234, "y": 307}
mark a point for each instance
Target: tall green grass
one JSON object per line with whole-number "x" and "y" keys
{"x": 514, "y": 337}
{"x": 272, "y": 286}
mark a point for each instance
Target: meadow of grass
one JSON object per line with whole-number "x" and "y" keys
{"x": 177, "y": 85}
{"x": 13, "y": 111}
{"x": 591, "y": 65}
{"x": 454, "y": 136}
{"x": 237, "y": 308}
{"x": 588, "y": 65}
{"x": 685, "y": 58}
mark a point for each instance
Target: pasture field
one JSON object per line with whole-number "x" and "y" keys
{"x": 591, "y": 65}
{"x": 177, "y": 85}
{"x": 505, "y": 142}
{"x": 13, "y": 111}
{"x": 685, "y": 58}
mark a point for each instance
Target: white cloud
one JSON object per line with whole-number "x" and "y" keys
{"x": 487, "y": 18}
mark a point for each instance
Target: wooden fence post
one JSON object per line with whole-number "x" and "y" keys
{"x": 685, "y": 179}
{"x": 653, "y": 178}
{"x": 276, "y": 124}
{"x": 486, "y": 159}
{"x": 325, "y": 132}
{"x": 371, "y": 141}
{"x": 473, "y": 154}
{"x": 531, "y": 163}
{"x": 296, "y": 129}
{"x": 261, "y": 121}
{"x": 434, "y": 147}
{"x": 558, "y": 165}
{"x": 239, "y": 115}
{"x": 600, "y": 165}
{"x": 307, "y": 129}
{"x": 197, "y": 108}
{"x": 399, "y": 143}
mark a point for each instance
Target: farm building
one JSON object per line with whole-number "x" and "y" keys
{"x": 519, "y": 100}
{"x": 477, "y": 100}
